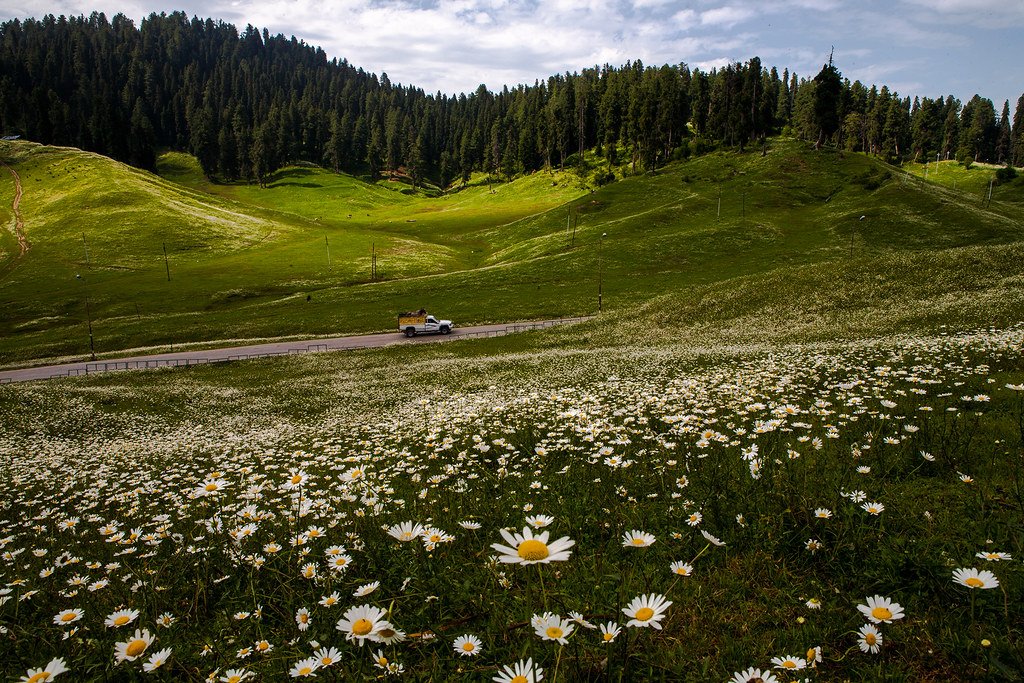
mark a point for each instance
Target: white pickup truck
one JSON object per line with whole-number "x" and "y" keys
{"x": 418, "y": 322}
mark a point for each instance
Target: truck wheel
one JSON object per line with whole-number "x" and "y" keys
{"x": 446, "y": 330}
{"x": 410, "y": 332}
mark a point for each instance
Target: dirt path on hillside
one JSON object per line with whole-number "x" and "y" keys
{"x": 19, "y": 222}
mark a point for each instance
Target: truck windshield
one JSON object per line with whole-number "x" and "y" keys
{"x": 431, "y": 319}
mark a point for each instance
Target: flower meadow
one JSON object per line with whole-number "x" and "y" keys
{"x": 844, "y": 511}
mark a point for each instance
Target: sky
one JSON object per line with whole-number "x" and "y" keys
{"x": 916, "y": 47}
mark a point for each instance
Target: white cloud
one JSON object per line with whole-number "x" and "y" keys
{"x": 729, "y": 15}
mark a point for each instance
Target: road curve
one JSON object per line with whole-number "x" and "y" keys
{"x": 287, "y": 348}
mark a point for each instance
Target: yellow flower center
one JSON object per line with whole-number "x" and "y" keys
{"x": 638, "y": 541}
{"x": 554, "y": 632}
{"x": 69, "y": 617}
{"x": 870, "y": 639}
{"x": 812, "y": 654}
{"x": 235, "y": 679}
{"x": 383, "y": 661}
{"x": 974, "y": 582}
{"x": 361, "y": 627}
{"x": 136, "y": 647}
{"x": 681, "y": 570}
{"x": 356, "y": 474}
{"x": 789, "y": 664}
{"x": 608, "y": 636}
{"x": 326, "y": 661}
{"x": 881, "y": 613}
{"x": 41, "y": 676}
{"x": 122, "y": 620}
{"x": 211, "y": 487}
{"x": 305, "y": 671}
{"x": 520, "y": 679}
{"x": 468, "y": 647}
{"x": 262, "y": 645}
{"x": 644, "y": 613}
{"x": 533, "y": 550}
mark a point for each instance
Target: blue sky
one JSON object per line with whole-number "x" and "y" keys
{"x": 917, "y": 47}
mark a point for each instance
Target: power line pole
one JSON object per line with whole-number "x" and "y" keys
{"x": 328, "y": 245}
{"x": 167, "y": 263}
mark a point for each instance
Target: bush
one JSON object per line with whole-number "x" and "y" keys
{"x": 1006, "y": 174}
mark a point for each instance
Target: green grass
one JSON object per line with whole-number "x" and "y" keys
{"x": 476, "y": 255}
{"x": 972, "y": 183}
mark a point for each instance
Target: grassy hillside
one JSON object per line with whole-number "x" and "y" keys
{"x": 483, "y": 254}
{"x": 973, "y": 182}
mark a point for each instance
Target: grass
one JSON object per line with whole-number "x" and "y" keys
{"x": 754, "y": 367}
{"x": 665, "y": 233}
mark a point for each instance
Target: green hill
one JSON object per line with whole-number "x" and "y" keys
{"x": 243, "y": 259}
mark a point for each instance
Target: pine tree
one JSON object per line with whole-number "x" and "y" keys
{"x": 1017, "y": 133}
{"x": 827, "y": 94}
{"x": 1004, "y": 139}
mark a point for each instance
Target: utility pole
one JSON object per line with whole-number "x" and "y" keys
{"x": 719, "y": 201}
{"x": 988, "y": 202}
{"x": 88, "y": 316}
{"x": 86, "y": 245}
{"x": 167, "y": 263}
{"x": 373, "y": 261}
{"x": 328, "y": 245}
{"x": 600, "y": 270}
{"x": 575, "y": 222}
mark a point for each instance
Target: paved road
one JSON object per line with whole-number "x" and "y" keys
{"x": 204, "y": 356}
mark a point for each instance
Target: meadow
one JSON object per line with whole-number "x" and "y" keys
{"x": 789, "y": 449}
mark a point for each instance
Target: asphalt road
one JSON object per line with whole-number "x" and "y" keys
{"x": 234, "y": 353}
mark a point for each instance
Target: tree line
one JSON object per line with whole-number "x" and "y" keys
{"x": 246, "y": 103}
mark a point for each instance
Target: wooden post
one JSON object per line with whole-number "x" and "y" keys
{"x": 328, "y": 245}
{"x": 167, "y": 263}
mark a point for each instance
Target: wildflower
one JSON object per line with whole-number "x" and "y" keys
{"x": 972, "y": 578}
{"x": 467, "y": 645}
{"x": 520, "y": 672}
{"x": 470, "y": 525}
{"x": 681, "y": 568}
{"x": 121, "y": 618}
{"x": 362, "y": 622}
{"x": 753, "y": 675}
{"x": 873, "y": 508}
{"x": 243, "y": 653}
{"x": 302, "y": 618}
{"x": 578, "y": 618}
{"x": 637, "y": 539}
{"x": 309, "y": 571}
{"x": 305, "y": 667}
{"x": 870, "y": 639}
{"x": 694, "y": 518}
{"x": 263, "y": 646}
{"x": 406, "y": 531}
{"x": 156, "y": 660}
{"x": 380, "y": 661}
{"x": 166, "y": 620}
{"x": 366, "y": 589}
{"x": 711, "y": 539}
{"x": 389, "y": 635}
{"x": 236, "y": 676}
{"x": 340, "y": 563}
{"x": 134, "y": 647}
{"x": 296, "y": 478}
{"x": 53, "y": 669}
{"x": 609, "y": 631}
{"x": 530, "y": 549}
{"x": 646, "y": 610}
{"x": 994, "y": 557}
{"x": 330, "y": 600}
{"x": 814, "y": 545}
{"x": 68, "y": 616}
{"x": 881, "y": 610}
{"x": 822, "y": 513}
{"x": 538, "y": 521}
{"x": 553, "y": 627}
{"x": 789, "y": 663}
{"x": 327, "y": 656}
{"x": 813, "y": 603}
